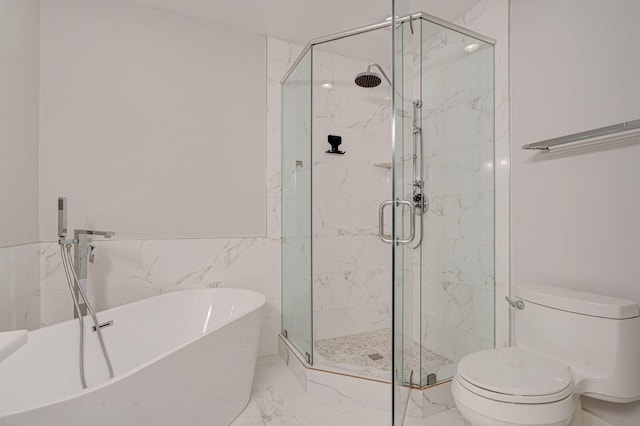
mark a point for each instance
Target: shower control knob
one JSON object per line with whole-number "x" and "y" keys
{"x": 421, "y": 203}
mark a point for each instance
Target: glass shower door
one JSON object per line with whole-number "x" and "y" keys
{"x": 297, "y": 318}
{"x": 404, "y": 217}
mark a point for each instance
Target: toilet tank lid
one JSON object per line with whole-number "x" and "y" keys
{"x": 580, "y": 302}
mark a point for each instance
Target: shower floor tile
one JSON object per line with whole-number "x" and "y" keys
{"x": 369, "y": 355}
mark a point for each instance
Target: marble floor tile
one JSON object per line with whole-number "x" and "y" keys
{"x": 278, "y": 399}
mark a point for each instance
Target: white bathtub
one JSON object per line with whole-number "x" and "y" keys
{"x": 180, "y": 359}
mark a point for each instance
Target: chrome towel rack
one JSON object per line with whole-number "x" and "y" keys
{"x": 629, "y": 126}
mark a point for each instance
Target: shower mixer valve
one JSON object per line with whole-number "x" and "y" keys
{"x": 421, "y": 202}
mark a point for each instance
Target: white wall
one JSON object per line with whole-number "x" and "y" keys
{"x": 175, "y": 105}
{"x": 574, "y": 67}
{"x": 152, "y": 123}
{"x": 19, "y": 31}
{"x": 19, "y": 57}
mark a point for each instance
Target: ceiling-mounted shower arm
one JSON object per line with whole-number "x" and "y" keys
{"x": 374, "y": 64}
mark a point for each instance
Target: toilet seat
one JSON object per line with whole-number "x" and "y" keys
{"x": 515, "y": 375}
{"x": 514, "y": 399}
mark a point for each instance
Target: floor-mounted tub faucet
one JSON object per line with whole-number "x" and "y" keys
{"x": 76, "y": 272}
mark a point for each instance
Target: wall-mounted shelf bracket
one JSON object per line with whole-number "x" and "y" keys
{"x": 633, "y": 127}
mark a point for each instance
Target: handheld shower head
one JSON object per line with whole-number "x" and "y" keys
{"x": 370, "y": 78}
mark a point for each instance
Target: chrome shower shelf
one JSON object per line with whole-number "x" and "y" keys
{"x": 630, "y": 126}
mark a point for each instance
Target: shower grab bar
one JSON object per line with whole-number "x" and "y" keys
{"x": 628, "y": 126}
{"x": 412, "y": 223}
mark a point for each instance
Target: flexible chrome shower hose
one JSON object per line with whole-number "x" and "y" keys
{"x": 72, "y": 279}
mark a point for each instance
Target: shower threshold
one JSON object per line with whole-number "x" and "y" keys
{"x": 368, "y": 355}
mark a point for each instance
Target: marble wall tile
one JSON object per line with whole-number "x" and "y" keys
{"x": 458, "y": 261}
{"x": 451, "y": 303}
{"x": 462, "y": 171}
{"x": 464, "y": 269}
{"x": 350, "y": 253}
{"x": 20, "y": 304}
{"x": 491, "y": 18}
{"x": 351, "y": 392}
{"x": 352, "y": 266}
{"x": 461, "y": 216}
{"x": 351, "y": 288}
{"x": 451, "y": 341}
{"x": 430, "y": 401}
{"x": 353, "y": 320}
{"x": 346, "y": 217}
{"x": 128, "y": 271}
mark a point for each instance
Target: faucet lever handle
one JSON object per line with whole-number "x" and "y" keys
{"x": 92, "y": 253}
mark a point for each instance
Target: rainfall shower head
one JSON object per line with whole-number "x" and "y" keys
{"x": 370, "y": 78}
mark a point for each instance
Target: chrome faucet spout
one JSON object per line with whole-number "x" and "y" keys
{"x": 105, "y": 234}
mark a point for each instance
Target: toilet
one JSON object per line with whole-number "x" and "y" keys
{"x": 568, "y": 343}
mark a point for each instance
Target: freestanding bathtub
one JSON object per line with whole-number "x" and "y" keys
{"x": 179, "y": 359}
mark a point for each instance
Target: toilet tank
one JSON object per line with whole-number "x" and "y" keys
{"x": 597, "y": 336}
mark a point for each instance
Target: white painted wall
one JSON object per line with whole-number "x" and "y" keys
{"x": 19, "y": 57}
{"x": 157, "y": 103}
{"x": 126, "y": 270}
{"x": 574, "y": 67}
{"x": 152, "y": 123}
{"x": 19, "y": 29}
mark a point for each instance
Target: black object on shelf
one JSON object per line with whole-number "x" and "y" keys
{"x": 335, "y": 142}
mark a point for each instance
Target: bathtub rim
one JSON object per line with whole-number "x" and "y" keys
{"x": 262, "y": 300}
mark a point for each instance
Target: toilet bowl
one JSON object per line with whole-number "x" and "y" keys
{"x": 557, "y": 357}
{"x": 515, "y": 387}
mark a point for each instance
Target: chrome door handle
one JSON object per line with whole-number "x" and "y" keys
{"x": 412, "y": 223}
{"x": 381, "y": 221}
{"x": 518, "y": 304}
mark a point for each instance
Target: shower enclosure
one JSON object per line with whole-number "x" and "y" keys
{"x": 388, "y": 202}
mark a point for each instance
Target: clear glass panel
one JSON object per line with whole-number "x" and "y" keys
{"x": 296, "y": 207}
{"x": 351, "y": 265}
{"x": 457, "y": 252}
{"x": 403, "y": 216}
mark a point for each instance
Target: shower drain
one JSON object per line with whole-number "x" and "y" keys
{"x": 375, "y": 356}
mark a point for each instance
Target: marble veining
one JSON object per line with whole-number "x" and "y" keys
{"x": 127, "y": 271}
{"x": 464, "y": 271}
{"x": 351, "y": 266}
{"x": 278, "y": 399}
{"x": 491, "y": 17}
{"x": 20, "y": 294}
